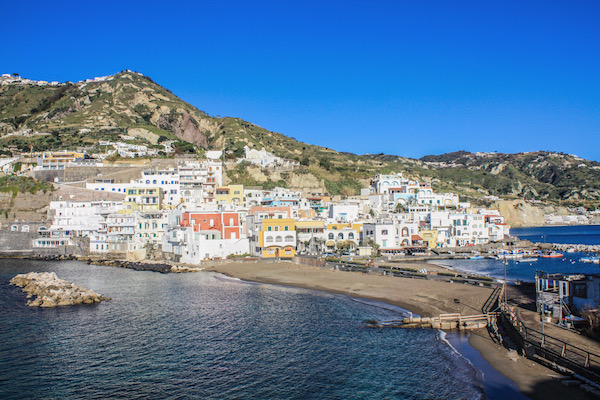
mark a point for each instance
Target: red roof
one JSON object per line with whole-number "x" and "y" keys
{"x": 415, "y": 237}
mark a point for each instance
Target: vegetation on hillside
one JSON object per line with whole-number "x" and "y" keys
{"x": 79, "y": 115}
{"x": 15, "y": 184}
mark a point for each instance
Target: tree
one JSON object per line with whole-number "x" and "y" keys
{"x": 15, "y": 74}
{"x": 399, "y": 208}
{"x": 183, "y": 147}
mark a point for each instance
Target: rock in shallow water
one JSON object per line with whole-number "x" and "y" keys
{"x": 52, "y": 291}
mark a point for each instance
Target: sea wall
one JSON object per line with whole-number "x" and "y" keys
{"x": 16, "y": 243}
{"x": 580, "y": 248}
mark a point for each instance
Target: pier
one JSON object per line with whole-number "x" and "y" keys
{"x": 451, "y": 321}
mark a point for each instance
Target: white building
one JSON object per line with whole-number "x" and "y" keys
{"x": 390, "y": 235}
{"x": 167, "y": 179}
{"x": 261, "y": 158}
{"x": 198, "y": 182}
{"x": 81, "y": 218}
{"x": 344, "y": 212}
{"x": 120, "y": 229}
{"x": 150, "y": 227}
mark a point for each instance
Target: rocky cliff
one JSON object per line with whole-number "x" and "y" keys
{"x": 519, "y": 213}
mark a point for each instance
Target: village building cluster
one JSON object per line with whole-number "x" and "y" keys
{"x": 186, "y": 214}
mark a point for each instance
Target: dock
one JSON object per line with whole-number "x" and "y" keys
{"x": 451, "y": 321}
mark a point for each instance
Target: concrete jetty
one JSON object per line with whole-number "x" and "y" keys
{"x": 450, "y": 321}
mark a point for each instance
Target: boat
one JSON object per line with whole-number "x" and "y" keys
{"x": 510, "y": 256}
{"x": 594, "y": 260}
{"x": 552, "y": 254}
{"x": 571, "y": 250}
{"x": 476, "y": 258}
{"x": 528, "y": 259}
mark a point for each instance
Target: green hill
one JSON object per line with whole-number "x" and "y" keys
{"x": 131, "y": 107}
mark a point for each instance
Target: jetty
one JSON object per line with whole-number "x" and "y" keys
{"x": 451, "y": 321}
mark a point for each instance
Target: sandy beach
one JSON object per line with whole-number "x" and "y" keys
{"x": 425, "y": 297}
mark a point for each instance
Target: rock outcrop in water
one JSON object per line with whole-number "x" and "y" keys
{"x": 51, "y": 291}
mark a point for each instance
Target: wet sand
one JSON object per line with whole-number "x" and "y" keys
{"x": 425, "y": 297}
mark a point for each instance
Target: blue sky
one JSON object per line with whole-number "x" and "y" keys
{"x": 409, "y": 78}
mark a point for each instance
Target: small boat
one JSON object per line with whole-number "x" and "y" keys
{"x": 552, "y": 254}
{"x": 476, "y": 258}
{"x": 594, "y": 260}
{"x": 509, "y": 256}
{"x": 571, "y": 250}
{"x": 528, "y": 259}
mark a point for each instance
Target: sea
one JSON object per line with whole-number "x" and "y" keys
{"x": 569, "y": 263}
{"x": 207, "y": 336}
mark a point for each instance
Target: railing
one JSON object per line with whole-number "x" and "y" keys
{"x": 555, "y": 350}
{"x": 492, "y": 301}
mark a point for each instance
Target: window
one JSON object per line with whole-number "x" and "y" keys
{"x": 330, "y": 236}
{"x": 289, "y": 238}
{"x": 279, "y": 239}
{"x": 384, "y": 232}
{"x": 269, "y": 239}
{"x": 580, "y": 290}
{"x": 351, "y": 235}
{"x": 211, "y": 222}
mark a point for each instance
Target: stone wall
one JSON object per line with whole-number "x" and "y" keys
{"x": 16, "y": 243}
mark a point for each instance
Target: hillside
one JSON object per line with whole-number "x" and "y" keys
{"x": 131, "y": 107}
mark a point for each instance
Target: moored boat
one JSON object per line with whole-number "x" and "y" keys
{"x": 528, "y": 259}
{"x": 552, "y": 254}
{"x": 510, "y": 256}
{"x": 594, "y": 260}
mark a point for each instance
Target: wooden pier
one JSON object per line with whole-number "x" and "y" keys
{"x": 451, "y": 321}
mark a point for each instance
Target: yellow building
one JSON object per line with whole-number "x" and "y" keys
{"x": 143, "y": 199}
{"x": 431, "y": 237}
{"x": 58, "y": 158}
{"x": 277, "y": 238}
{"x": 231, "y": 194}
{"x": 341, "y": 225}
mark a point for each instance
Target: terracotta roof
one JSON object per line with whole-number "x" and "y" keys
{"x": 415, "y": 237}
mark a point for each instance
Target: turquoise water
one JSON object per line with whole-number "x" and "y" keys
{"x": 205, "y": 336}
{"x": 569, "y": 263}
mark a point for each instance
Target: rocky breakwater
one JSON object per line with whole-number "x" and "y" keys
{"x": 51, "y": 291}
{"x": 580, "y": 248}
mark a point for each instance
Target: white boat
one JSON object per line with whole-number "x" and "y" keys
{"x": 528, "y": 259}
{"x": 510, "y": 256}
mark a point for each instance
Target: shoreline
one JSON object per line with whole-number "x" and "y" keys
{"x": 424, "y": 297}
